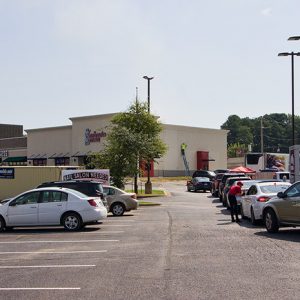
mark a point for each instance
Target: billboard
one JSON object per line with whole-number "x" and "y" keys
{"x": 101, "y": 176}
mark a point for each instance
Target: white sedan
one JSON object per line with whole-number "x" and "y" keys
{"x": 258, "y": 194}
{"x": 51, "y": 206}
{"x": 119, "y": 201}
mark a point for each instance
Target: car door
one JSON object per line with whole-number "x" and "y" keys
{"x": 110, "y": 195}
{"x": 249, "y": 199}
{"x": 52, "y": 204}
{"x": 23, "y": 210}
{"x": 289, "y": 207}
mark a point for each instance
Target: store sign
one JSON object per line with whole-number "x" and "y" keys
{"x": 7, "y": 173}
{"x": 101, "y": 176}
{"x": 3, "y": 153}
{"x": 93, "y": 137}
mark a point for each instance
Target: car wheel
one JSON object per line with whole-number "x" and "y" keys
{"x": 2, "y": 224}
{"x": 72, "y": 222}
{"x": 118, "y": 209}
{"x": 253, "y": 220}
{"x": 271, "y": 221}
{"x": 242, "y": 212}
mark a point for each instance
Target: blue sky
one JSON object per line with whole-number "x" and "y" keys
{"x": 210, "y": 59}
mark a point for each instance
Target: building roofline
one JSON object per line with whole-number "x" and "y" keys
{"x": 48, "y": 128}
{"x": 193, "y": 127}
{"x": 92, "y": 116}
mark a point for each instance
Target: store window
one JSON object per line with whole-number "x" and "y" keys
{"x": 62, "y": 161}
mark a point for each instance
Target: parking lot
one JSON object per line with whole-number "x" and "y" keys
{"x": 187, "y": 248}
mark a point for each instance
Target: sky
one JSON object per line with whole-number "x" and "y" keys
{"x": 209, "y": 59}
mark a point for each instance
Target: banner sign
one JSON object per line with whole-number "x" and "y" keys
{"x": 101, "y": 176}
{"x": 7, "y": 173}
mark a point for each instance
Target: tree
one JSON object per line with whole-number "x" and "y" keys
{"x": 134, "y": 136}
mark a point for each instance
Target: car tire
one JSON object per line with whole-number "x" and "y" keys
{"x": 253, "y": 220}
{"x": 242, "y": 212}
{"x": 271, "y": 221}
{"x": 118, "y": 209}
{"x": 72, "y": 222}
{"x": 2, "y": 224}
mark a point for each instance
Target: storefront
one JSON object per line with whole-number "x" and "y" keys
{"x": 72, "y": 145}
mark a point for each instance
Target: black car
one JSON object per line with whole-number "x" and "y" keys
{"x": 89, "y": 188}
{"x": 204, "y": 173}
{"x": 199, "y": 184}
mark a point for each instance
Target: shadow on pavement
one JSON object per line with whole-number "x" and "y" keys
{"x": 284, "y": 234}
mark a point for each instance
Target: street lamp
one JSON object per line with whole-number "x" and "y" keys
{"x": 148, "y": 79}
{"x": 292, "y": 54}
{"x": 148, "y": 185}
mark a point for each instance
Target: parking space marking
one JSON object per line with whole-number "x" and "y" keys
{"x": 81, "y": 241}
{"x": 47, "y": 266}
{"x": 116, "y": 225}
{"x": 40, "y": 288}
{"x": 81, "y": 232}
{"x": 53, "y": 252}
{"x": 119, "y": 220}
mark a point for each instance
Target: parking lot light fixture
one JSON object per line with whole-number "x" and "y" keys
{"x": 294, "y": 38}
{"x": 292, "y": 54}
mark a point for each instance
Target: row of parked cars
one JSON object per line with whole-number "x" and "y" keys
{"x": 275, "y": 203}
{"x": 72, "y": 204}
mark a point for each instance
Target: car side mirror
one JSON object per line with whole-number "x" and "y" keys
{"x": 13, "y": 203}
{"x": 280, "y": 195}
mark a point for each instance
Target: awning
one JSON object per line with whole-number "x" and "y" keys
{"x": 81, "y": 154}
{"x": 59, "y": 155}
{"x": 16, "y": 159}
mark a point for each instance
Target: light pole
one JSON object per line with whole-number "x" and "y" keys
{"x": 148, "y": 79}
{"x": 292, "y": 54}
{"x": 148, "y": 185}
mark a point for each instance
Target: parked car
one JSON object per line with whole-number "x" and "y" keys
{"x": 229, "y": 182}
{"x": 119, "y": 201}
{"x": 204, "y": 173}
{"x": 258, "y": 194}
{"x": 223, "y": 180}
{"x": 215, "y": 184}
{"x": 218, "y": 171}
{"x": 88, "y": 187}
{"x": 51, "y": 206}
{"x": 199, "y": 184}
{"x": 283, "y": 209}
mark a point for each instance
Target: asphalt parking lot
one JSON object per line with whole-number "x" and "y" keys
{"x": 43, "y": 261}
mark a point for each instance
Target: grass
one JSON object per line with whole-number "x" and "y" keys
{"x": 154, "y": 193}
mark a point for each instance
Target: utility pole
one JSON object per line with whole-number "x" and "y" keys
{"x": 262, "y": 141}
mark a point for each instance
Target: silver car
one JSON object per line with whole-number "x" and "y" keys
{"x": 119, "y": 201}
{"x": 258, "y": 194}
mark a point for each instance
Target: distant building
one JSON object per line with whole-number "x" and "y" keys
{"x": 72, "y": 144}
{"x": 13, "y": 145}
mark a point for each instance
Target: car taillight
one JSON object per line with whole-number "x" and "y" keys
{"x": 92, "y": 202}
{"x": 133, "y": 196}
{"x": 263, "y": 199}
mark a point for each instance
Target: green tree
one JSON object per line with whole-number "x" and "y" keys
{"x": 134, "y": 136}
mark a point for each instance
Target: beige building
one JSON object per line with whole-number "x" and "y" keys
{"x": 71, "y": 145}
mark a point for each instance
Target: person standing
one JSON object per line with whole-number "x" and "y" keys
{"x": 234, "y": 191}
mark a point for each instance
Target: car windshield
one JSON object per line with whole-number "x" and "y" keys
{"x": 247, "y": 183}
{"x": 273, "y": 188}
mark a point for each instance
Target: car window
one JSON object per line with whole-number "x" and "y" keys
{"x": 29, "y": 198}
{"x": 294, "y": 191}
{"x": 252, "y": 190}
{"x": 53, "y": 196}
{"x": 274, "y": 188}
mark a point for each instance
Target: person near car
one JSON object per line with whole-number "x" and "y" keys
{"x": 234, "y": 191}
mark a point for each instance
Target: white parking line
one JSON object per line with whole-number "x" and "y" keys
{"x": 82, "y": 232}
{"x": 47, "y": 266}
{"x": 32, "y": 289}
{"x": 53, "y": 252}
{"x": 119, "y": 220}
{"x": 82, "y": 241}
{"x": 116, "y": 225}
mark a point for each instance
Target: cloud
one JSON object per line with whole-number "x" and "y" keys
{"x": 266, "y": 12}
